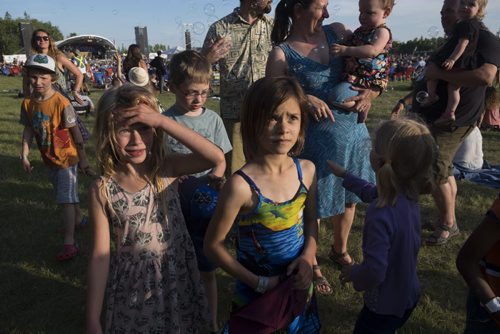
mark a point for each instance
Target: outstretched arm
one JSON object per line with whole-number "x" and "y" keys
{"x": 381, "y": 37}
{"x": 66, "y": 63}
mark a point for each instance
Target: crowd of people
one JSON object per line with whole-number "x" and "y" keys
{"x": 291, "y": 140}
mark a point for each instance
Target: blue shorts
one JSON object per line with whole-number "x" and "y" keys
{"x": 65, "y": 182}
{"x": 196, "y": 225}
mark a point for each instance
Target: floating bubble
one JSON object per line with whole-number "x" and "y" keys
{"x": 178, "y": 22}
{"x": 198, "y": 28}
{"x": 115, "y": 11}
{"x": 209, "y": 9}
{"x": 433, "y": 31}
{"x": 421, "y": 96}
{"x": 211, "y": 19}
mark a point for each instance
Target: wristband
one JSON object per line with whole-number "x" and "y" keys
{"x": 262, "y": 284}
{"x": 493, "y": 306}
{"x": 402, "y": 102}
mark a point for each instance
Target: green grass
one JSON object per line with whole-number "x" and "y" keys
{"x": 40, "y": 295}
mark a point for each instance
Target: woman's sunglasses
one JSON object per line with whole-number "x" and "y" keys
{"x": 39, "y": 38}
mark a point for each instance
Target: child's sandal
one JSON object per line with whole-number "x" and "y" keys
{"x": 67, "y": 252}
{"x": 339, "y": 258}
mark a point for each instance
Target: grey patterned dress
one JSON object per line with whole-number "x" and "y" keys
{"x": 154, "y": 283}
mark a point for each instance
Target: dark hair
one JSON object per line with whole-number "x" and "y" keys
{"x": 261, "y": 100}
{"x": 189, "y": 65}
{"x": 283, "y": 16}
{"x": 132, "y": 59}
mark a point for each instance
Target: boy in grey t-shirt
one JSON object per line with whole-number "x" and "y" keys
{"x": 190, "y": 82}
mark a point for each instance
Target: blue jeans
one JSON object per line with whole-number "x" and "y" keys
{"x": 373, "y": 323}
{"x": 478, "y": 320}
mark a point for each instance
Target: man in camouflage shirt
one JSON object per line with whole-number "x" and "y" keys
{"x": 240, "y": 44}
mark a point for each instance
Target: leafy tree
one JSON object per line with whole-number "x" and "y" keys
{"x": 10, "y": 35}
{"x": 157, "y": 47}
{"x": 72, "y": 35}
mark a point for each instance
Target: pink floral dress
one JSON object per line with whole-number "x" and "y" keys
{"x": 154, "y": 283}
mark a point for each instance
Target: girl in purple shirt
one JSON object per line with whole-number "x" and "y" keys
{"x": 402, "y": 157}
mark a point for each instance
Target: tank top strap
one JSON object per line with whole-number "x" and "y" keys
{"x": 249, "y": 181}
{"x": 299, "y": 169}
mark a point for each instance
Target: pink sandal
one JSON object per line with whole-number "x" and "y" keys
{"x": 67, "y": 252}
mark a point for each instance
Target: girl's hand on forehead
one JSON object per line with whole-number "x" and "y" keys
{"x": 142, "y": 113}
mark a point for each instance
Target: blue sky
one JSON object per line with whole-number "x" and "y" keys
{"x": 167, "y": 19}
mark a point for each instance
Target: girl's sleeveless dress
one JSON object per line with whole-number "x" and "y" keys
{"x": 269, "y": 239}
{"x": 344, "y": 141}
{"x": 154, "y": 284}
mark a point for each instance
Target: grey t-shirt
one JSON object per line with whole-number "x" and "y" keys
{"x": 208, "y": 124}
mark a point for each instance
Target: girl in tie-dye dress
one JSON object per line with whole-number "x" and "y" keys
{"x": 272, "y": 199}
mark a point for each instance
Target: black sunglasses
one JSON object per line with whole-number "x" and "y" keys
{"x": 39, "y": 38}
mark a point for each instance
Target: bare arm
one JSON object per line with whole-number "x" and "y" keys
{"x": 205, "y": 155}
{"x": 276, "y": 63}
{"x": 26, "y": 140}
{"x": 235, "y": 195}
{"x": 382, "y": 36}
{"x": 98, "y": 268}
{"x": 66, "y": 63}
{"x": 482, "y": 76}
{"x": 457, "y": 53}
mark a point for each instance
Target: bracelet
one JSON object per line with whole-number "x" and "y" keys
{"x": 262, "y": 284}
{"x": 402, "y": 102}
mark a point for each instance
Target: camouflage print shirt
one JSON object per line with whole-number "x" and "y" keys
{"x": 246, "y": 61}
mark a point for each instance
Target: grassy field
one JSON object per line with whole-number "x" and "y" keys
{"x": 40, "y": 295}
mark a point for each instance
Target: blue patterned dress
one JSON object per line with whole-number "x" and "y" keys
{"x": 269, "y": 239}
{"x": 345, "y": 141}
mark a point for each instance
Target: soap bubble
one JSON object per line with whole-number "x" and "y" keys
{"x": 421, "y": 96}
{"x": 198, "y": 28}
{"x": 433, "y": 32}
{"x": 209, "y": 9}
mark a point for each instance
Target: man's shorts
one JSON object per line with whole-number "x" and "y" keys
{"x": 65, "y": 182}
{"x": 448, "y": 140}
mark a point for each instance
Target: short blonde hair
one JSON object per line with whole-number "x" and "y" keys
{"x": 191, "y": 66}
{"x": 481, "y": 12}
{"x": 403, "y": 155}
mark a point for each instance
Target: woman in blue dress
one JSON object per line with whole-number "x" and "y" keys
{"x": 302, "y": 51}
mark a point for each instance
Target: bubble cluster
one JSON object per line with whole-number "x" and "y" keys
{"x": 433, "y": 31}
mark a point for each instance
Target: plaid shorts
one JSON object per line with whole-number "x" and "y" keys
{"x": 65, "y": 182}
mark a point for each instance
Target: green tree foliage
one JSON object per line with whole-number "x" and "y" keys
{"x": 157, "y": 47}
{"x": 10, "y": 35}
{"x": 427, "y": 45}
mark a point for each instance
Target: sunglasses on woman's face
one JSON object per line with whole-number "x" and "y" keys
{"x": 39, "y": 38}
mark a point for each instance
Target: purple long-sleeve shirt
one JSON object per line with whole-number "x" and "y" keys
{"x": 391, "y": 241}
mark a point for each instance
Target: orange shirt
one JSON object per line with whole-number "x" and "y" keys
{"x": 50, "y": 120}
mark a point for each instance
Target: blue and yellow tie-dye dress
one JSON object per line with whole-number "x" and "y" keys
{"x": 269, "y": 239}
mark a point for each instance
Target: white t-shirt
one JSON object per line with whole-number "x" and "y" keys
{"x": 470, "y": 153}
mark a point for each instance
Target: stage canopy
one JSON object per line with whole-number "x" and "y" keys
{"x": 97, "y": 46}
